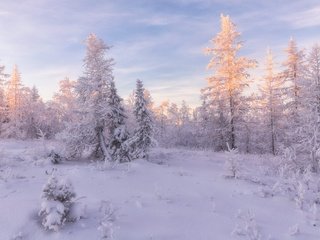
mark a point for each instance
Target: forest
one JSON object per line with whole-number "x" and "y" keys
{"x": 281, "y": 116}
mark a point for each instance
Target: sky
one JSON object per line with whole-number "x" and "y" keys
{"x": 160, "y": 42}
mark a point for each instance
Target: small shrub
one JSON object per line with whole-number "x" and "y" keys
{"x": 57, "y": 200}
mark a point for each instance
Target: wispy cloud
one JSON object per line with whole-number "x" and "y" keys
{"x": 304, "y": 19}
{"x": 159, "y": 41}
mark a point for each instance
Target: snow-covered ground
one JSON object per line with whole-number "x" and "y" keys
{"x": 177, "y": 195}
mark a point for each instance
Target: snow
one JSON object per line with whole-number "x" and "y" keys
{"x": 178, "y": 194}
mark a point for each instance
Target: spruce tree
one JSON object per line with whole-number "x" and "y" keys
{"x": 118, "y": 134}
{"x": 142, "y": 139}
{"x": 89, "y": 129}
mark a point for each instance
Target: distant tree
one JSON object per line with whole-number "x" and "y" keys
{"x": 13, "y": 128}
{"x": 65, "y": 100}
{"x": 3, "y": 104}
{"x": 186, "y": 127}
{"x": 14, "y": 92}
{"x": 173, "y": 115}
{"x": 161, "y": 121}
{"x": 230, "y": 77}
{"x": 32, "y": 113}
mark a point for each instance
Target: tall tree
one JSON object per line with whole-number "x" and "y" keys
{"x": 92, "y": 102}
{"x": 308, "y": 146}
{"x": 272, "y": 103}
{"x": 230, "y": 75}
{"x": 294, "y": 77}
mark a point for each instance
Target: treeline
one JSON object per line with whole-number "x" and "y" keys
{"x": 282, "y": 116}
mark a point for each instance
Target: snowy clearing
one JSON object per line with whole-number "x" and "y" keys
{"x": 178, "y": 194}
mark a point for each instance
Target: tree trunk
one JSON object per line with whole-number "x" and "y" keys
{"x": 103, "y": 146}
{"x": 232, "y": 134}
{"x": 272, "y": 136}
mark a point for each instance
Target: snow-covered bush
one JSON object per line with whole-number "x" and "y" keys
{"x": 57, "y": 200}
{"x": 107, "y": 218}
{"x": 18, "y": 236}
{"x": 247, "y": 226}
{"x": 231, "y": 164}
{"x": 294, "y": 230}
{"x": 55, "y": 158}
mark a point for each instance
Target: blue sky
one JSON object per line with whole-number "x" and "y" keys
{"x": 160, "y": 41}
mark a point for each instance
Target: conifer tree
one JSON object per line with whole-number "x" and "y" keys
{"x": 118, "y": 134}
{"x": 88, "y": 132}
{"x": 143, "y": 135}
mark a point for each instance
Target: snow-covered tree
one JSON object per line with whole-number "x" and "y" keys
{"x": 294, "y": 77}
{"x": 161, "y": 121}
{"x": 57, "y": 199}
{"x": 186, "y": 131}
{"x": 92, "y": 102}
{"x": 230, "y": 78}
{"x": 271, "y": 105}
{"x": 64, "y": 100}
{"x": 14, "y": 92}
{"x": 118, "y": 134}
{"x": 32, "y": 113}
{"x": 13, "y": 127}
{"x": 3, "y": 104}
{"x": 308, "y": 147}
{"x": 142, "y": 139}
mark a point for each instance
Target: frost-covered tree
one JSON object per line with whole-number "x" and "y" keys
{"x": 13, "y": 127}
{"x": 118, "y": 134}
{"x": 294, "y": 77}
{"x": 308, "y": 147}
{"x": 271, "y": 105}
{"x": 32, "y": 113}
{"x": 57, "y": 200}
{"x": 186, "y": 131}
{"x": 92, "y": 102}
{"x": 230, "y": 77}
{"x": 64, "y": 100}
{"x": 3, "y": 104}
{"x": 142, "y": 139}
{"x": 161, "y": 121}
{"x": 14, "y": 91}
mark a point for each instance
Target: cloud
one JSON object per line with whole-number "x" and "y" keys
{"x": 160, "y": 41}
{"x": 304, "y": 19}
